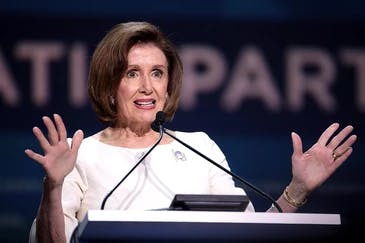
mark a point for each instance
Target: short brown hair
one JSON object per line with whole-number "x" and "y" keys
{"x": 109, "y": 62}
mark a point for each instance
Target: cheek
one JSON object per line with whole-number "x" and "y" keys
{"x": 125, "y": 91}
{"x": 163, "y": 88}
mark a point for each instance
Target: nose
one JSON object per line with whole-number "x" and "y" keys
{"x": 145, "y": 85}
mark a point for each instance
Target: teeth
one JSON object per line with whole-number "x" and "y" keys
{"x": 144, "y": 103}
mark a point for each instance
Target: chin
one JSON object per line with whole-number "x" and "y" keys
{"x": 148, "y": 117}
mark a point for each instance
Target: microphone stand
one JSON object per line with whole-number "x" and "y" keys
{"x": 134, "y": 167}
{"x": 262, "y": 193}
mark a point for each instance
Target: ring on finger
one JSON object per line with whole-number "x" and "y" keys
{"x": 335, "y": 156}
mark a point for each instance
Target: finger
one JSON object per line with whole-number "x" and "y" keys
{"x": 326, "y": 135}
{"x": 76, "y": 140}
{"x": 35, "y": 156}
{"x": 297, "y": 144}
{"x": 42, "y": 140}
{"x": 62, "y": 132}
{"x": 52, "y": 132}
{"x": 337, "y": 140}
{"x": 339, "y": 160}
{"x": 339, "y": 151}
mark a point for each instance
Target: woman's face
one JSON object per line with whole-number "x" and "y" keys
{"x": 142, "y": 90}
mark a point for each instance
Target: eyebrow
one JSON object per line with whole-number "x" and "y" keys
{"x": 153, "y": 67}
{"x": 159, "y": 66}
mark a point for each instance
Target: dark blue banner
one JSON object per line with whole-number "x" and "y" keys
{"x": 248, "y": 84}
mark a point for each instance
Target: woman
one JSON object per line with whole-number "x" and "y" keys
{"x": 136, "y": 72}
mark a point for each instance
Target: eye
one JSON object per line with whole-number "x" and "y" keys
{"x": 132, "y": 73}
{"x": 157, "y": 73}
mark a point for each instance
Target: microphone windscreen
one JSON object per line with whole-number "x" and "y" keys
{"x": 159, "y": 120}
{"x": 160, "y": 117}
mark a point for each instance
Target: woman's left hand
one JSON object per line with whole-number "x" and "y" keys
{"x": 313, "y": 167}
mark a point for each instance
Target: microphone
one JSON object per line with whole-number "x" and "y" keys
{"x": 158, "y": 126}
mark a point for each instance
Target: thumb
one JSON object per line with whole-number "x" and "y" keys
{"x": 297, "y": 144}
{"x": 77, "y": 139}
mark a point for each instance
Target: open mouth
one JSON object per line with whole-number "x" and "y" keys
{"x": 145, "y": 103}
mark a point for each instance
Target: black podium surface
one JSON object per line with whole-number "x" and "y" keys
{"x": 203, "y": 226}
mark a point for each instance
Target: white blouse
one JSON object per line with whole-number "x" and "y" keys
{"x": 168, "y": 170}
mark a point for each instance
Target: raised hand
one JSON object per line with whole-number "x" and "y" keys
{"x": 59, "y": 157}
{"x": 313, "y": 167}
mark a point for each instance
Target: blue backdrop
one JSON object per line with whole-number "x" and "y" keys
{"x": 254, "y": 72}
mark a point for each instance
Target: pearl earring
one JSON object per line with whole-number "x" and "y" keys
{"x": 112, "y": 100}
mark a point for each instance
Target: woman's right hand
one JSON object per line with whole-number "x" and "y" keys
{"x": 59, "y": 157}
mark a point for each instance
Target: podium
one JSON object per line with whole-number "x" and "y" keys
{"x": 204, "y": 226}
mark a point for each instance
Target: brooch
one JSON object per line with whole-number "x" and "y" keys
{"x": 179, "y": 156}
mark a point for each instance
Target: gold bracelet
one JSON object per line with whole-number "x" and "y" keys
{"x": 292, "y": 201}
